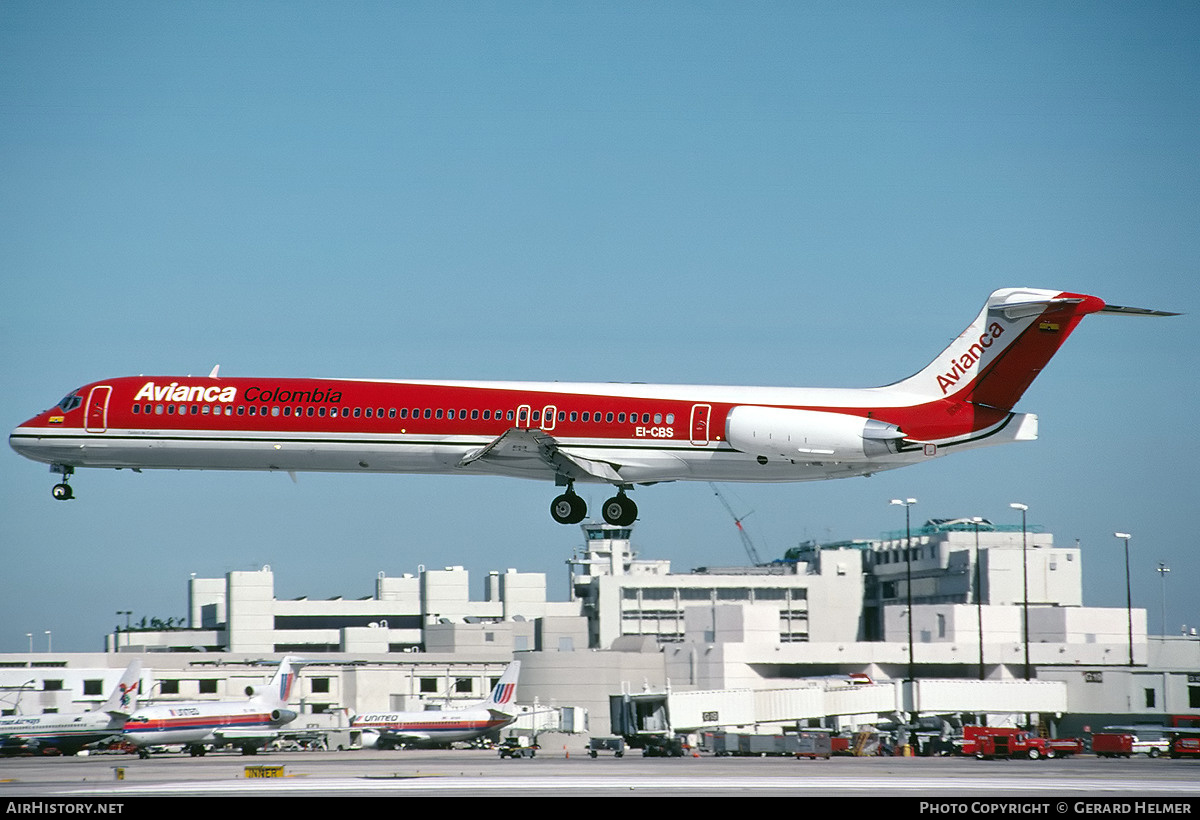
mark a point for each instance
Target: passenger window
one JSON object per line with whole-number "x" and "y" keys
{"x": 439, "y": 413}
{"x": 658, "y": 418}
{"x": 462, "y": 414}
{"x": 586, "y": 416}
{"x": 428, "y": 412}
{"x": 609, "y": 416}
{"x": 449, "y": 414}
{"x": 509, "y": 415}
{"x": 474, "y": 415}
{"x": 357, "y": 412}
{"x": 621, "y": 418}
{"x": 253, "y": 410}
{"x": 391, "y": 412}
{"x": 670, "y": 418}
{"x": 487, "y": 415}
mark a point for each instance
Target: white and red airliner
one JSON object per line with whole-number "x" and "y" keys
{"x": 248, "y": 725}
{"x": 390, "y": 730}
{"x": 617, "y": 434}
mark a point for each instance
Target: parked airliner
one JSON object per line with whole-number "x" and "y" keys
{"x": 70, "y": 732}
{"x": 616, "y": 434}
{"x": 389, "y": 730}
{"x": 248, "y": 724}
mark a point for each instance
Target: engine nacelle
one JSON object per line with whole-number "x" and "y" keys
{"x": 809, "y": 434}
{"x": 282, "y": 715}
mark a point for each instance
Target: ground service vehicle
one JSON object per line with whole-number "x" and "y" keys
{"x": 616, "y": 745}
{"x": 1125, "y": 744}
{"x": 1009, "y": 745}
{"x": 514, "y": 747}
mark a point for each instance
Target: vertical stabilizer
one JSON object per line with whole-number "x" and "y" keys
{"x": 998, "y": 356}
{"x": 124, "y": 698}
{"x": 505, "y": 692}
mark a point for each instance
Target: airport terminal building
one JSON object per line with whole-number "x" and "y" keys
{"x": 632, "y": 626}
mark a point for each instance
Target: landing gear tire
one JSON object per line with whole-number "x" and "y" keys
{"x": 620, "y": 511}
{"x": 62, "y": 492}
{"x": 568, "y": 508}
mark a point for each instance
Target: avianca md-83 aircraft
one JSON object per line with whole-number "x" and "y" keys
{"x": 616, "y": 434}
{"x": 439, "y": 727}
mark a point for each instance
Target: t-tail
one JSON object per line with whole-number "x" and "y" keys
{"x": 124, "y": 698}
{"x": 504, "y": 695}
{"x": 991, "y": 364}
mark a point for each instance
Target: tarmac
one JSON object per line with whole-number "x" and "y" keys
{"x": 565, "y": 772}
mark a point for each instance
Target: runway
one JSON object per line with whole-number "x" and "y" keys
{"x": 482, "y": 773}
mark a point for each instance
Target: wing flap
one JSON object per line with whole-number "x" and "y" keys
{"x": 534, "y": 451}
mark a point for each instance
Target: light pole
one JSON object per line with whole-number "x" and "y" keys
{"x": 1162, "y": 571}
{"x": 49, "y": 641}
{"x": 1025, "y": 576}
{"x": 979, "y": 592}
{"x": 907, "y": 503}
{"x": 1124, "y": 536}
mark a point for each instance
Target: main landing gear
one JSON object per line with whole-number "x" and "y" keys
{"x": 569, "y": 508}
{"x": 620, "y": 511}
{"x": 62, "y": 491}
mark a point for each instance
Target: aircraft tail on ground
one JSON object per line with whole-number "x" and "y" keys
{"x": 124, "y": 697}
{"x": 504, "y": 695}
{"x": 279, "y": 691}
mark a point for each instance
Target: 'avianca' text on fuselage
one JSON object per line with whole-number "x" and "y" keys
{"x": 616, "y": 434}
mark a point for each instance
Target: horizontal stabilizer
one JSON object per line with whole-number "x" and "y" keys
{"x": 1136, "y": 311}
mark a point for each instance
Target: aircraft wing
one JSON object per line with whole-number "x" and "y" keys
{"x": 539, "y": 454}
{"x": 236, "y": 735}
{"x": 412, "y": 737}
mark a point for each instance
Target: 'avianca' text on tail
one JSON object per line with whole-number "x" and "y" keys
{"x": 616, "y": 434}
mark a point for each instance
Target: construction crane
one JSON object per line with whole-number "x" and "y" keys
{"x": 751, "y": 552}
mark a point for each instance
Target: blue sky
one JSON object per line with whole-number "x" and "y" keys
{"x": 814, "y": 194}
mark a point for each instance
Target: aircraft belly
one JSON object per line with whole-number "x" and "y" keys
{"x": 634, "y": 462}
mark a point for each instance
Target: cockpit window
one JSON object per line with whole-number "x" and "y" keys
{"x": 70, "y": 402}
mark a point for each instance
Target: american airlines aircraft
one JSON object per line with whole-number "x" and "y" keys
{"x": 439, "y": 727}
{"x": 616, "y": 434}
{"x": 249, "y": 724}
{"x": 70, "y": 732}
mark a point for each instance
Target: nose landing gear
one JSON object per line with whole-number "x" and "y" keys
{"x": 62, "y": 491}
